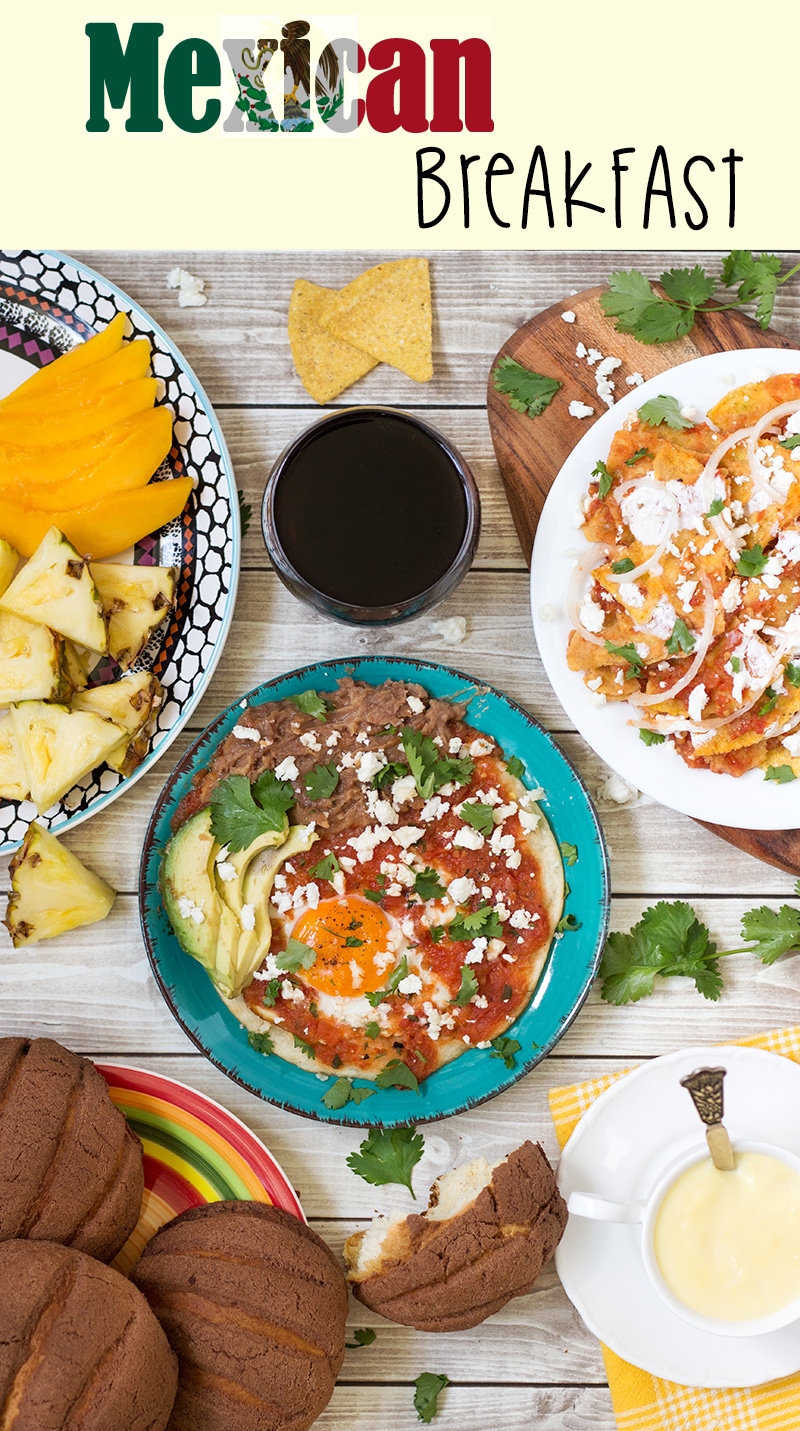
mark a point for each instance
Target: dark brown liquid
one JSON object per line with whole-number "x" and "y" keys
{"x": 370, "y": 509}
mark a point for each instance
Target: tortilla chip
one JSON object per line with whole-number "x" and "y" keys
{"x": 387, "y": 313}
{"x": 325, "y": 365}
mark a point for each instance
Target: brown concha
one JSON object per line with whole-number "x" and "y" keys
{"x": 445, "y": 1276}
{"x": 80, "y": 1349}
{"x": 70, "y": 1168}
{"x": 254, "y": 1303}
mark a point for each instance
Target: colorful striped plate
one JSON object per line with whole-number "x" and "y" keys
{"x": 195, "y": 1152}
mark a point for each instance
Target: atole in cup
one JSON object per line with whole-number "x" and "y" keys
{"x": 722, "y": 1249}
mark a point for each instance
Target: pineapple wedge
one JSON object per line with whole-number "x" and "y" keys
{"x": 74, "y": 669}
{"x": 55, "y": 589}
{"x": 51, "y": 891}
{"x": 9, "y": 561}
{"x": 131, "y": 703}
{"x": 12, "y": 780}
{"x": 59, "y": 746}
{"x": 31, "y": 662}
{"x": 136, "y": 600}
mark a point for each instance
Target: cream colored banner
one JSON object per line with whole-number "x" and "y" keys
{"x": 685, "y": 115}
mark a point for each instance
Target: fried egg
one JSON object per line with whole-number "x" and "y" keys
{"x": 357, "y": 945}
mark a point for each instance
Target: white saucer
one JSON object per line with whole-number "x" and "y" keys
{"x": 618, "y": 1150}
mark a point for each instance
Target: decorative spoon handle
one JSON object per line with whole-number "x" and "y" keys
{"x": 704, "y": 1087}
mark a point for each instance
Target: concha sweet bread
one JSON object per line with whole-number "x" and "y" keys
{"x": 254, "y": 1304}
{"x": 70, "y": 1168}
{"x": 484, "y": 1239}
{"x": 80, "y": 1349}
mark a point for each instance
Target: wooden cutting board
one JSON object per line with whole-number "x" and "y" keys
{"x": 531, "y": 452}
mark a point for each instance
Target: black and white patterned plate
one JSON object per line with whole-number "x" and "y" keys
{"x": 47, "y": 305}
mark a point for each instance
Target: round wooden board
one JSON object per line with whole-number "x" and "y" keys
{"x": 531, "y": 452}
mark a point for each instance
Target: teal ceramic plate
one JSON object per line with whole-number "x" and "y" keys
{"x": 476, "y": 1075}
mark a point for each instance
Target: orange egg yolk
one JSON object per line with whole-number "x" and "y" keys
{"x": 346, "y": 934}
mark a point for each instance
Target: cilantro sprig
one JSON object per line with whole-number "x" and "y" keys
{"x": 483, "y": 922}
{"x": 752, "y": 560}
{"x": 296, "y": 956}
{"x": 430, "y": 770}
{"x": 653, "y": 318}
{"x": 479, "y": 816}
{"x": 428, "y": 1388}
{"x": 527, "y": 392}
{"x": 388, "y": 1155}
{"x": 428, "y": 885}
{"x": 668, "y": 940}
{"x": 663, "y": 410}
{"x": 468, "y": 988}
{"x": 397, "y": 1074}
{"x": 240, "y": 812}
{"x": 310, "y": 703}
{"x": 627, "y": 653}
{"x": 363, "y": 1336}
{"x": 505, "y": 1048}
{"x": 321, "y": 781}
{"x": 681, "y": 640}
{"x": 341, "y": 1092}
{"x": 605, "y": 479}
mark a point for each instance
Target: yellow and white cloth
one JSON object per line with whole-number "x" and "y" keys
{"x": 648, "y": 1403}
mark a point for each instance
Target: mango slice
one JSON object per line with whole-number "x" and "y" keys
{"x": 111, "y": 407}
{"x": 104, "y": 529}
{"x": 131, "y": 362}
{"x": 130, "y": 464}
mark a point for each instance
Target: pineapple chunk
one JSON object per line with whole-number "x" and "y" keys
{"x": 136, "y": 600}
{"x": 55, "y": 589}
{"x": 9, "y": 561}
{"x": 59, "y": 746}
{"x": 12, "y": 780}
{"x": 74, "y": 668}
{"x": 51, "y": 891}
{"x": 131, "y": 703}
{"x": 31, "y": 662}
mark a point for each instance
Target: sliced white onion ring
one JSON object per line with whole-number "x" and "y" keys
{"x": 593, "y": 556}
{"x": 701, "y": 651}
{"x": 717, "y": 722}
{"x": 707, "y": 480}
{"x": 650, "y": 484}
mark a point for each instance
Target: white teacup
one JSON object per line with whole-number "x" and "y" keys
{"x": 646, "y": 1212}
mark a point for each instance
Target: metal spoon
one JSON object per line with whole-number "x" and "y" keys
{"x": 705, "y": 1090}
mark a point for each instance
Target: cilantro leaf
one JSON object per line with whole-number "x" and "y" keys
{"x": 781, "y": 774}
{"x": 321, "y": 781}
{"x": 236, "y": 818}
{"x": 663, "y": 410}
{"x": 428, "y": 885}
{"x": 627, "y": 653}
{"x": 752, "y": 561}
{"x": 688, "y": 285}
{"x": 651, "y": 737}
{"x": 527, "y": 392}
{"x": 479, "y": 816}
{"x": 484, "y": 921}
{"x": 304, "y": 1047}
{"x": 274, "y": 797}
{"x": 667, "y": 940}
{"x": 269, "y": 992}
{"x": 429, "y": 1387}
{"x": 388, "y": 1155}
{"x": 469, "y": 987}
{"x": 620, "y": 567}
{"x": 772, "y": 932}
{"x": 639, "y": 310}
{"x": 296, "y": 955}
{"x": 378, "y": 995}
{"x": 340, "y": 1093}
{"x": 437, "y": 933}
{"x": 311, "y": 704}
{"x": 327, "y": 867}
{"x": 372, "y": 1029}
{"x": 391, "y": 772}
{"x": 429, "y": 770}
{"x": 567, "y": 924}
{"x": 261, "y": 1042}
{"x": 770, "y": 702}
{"x": 681, "y": 638}
{"x": 637, "y": 457}
{"x": 605, "y": 480}
{"x": 790, "y": 442}
{"x": 569, "y": 852}
{"x": 757, "y": 278}
{"x": 792, "y": 673}
{"x": 505, "y": 1048}
{"x": 716, "y": 507}
{"x": 245, "y": 513}
{"x": 364, "y": 1337}
{"x": 515, "y": 767}
{"x": 397, "y": 1074}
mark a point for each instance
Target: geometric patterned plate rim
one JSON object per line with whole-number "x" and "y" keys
{"x": 45, "y": 295}
{"x": 195, "y": 1152}
{"x": 475, "y": 1076}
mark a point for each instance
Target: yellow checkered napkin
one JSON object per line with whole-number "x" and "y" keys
{"x": 647, "y": 1403}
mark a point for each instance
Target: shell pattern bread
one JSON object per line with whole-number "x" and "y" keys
{"x": 80, "y": 1349}
{"x": 445, "y": 1276}
{"x": 70, "y": 1168}
{"x": 254, "y": 1304}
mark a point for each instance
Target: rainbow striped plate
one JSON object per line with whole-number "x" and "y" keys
{"x": 195, "y": 1152}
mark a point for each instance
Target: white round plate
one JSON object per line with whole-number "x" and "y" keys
{"x": 47, "y": 304}
{"x": 748, "y": 802}
{"x": 619, "y": 1150}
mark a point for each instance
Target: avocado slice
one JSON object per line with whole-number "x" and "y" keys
{"x": 232, "y": 890}
{"x": 187, "y": 885}
{"x": 258, "y": 881}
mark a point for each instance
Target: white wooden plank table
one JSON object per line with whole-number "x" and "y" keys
{"x": 533, "y": 1363}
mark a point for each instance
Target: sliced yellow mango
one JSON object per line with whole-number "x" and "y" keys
{"x": 74, "y": 426}
{"x": 102, "y": 345}
{"x": 86, "y": 385}
{"x": 104, "y": 529}
{"x": 129, "y": 465}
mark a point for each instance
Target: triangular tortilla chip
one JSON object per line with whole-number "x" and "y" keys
{"x": 387, "y": 312}
{"x": 325, "y": 365}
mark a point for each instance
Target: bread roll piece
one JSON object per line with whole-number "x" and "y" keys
{"x": 70, "y": 1168}
{"x": 484, "y": 1239}
{"x": 254, "y": 1303}
{"x": 80, "y": 1349}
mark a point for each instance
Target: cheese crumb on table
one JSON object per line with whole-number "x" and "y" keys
{"x": 189, "y": 286}
{"x": 617, "y": 790}
{"x": 452, "y": 629}
{"x": 568, "y": 316}
{"x": 580, "y": 409}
